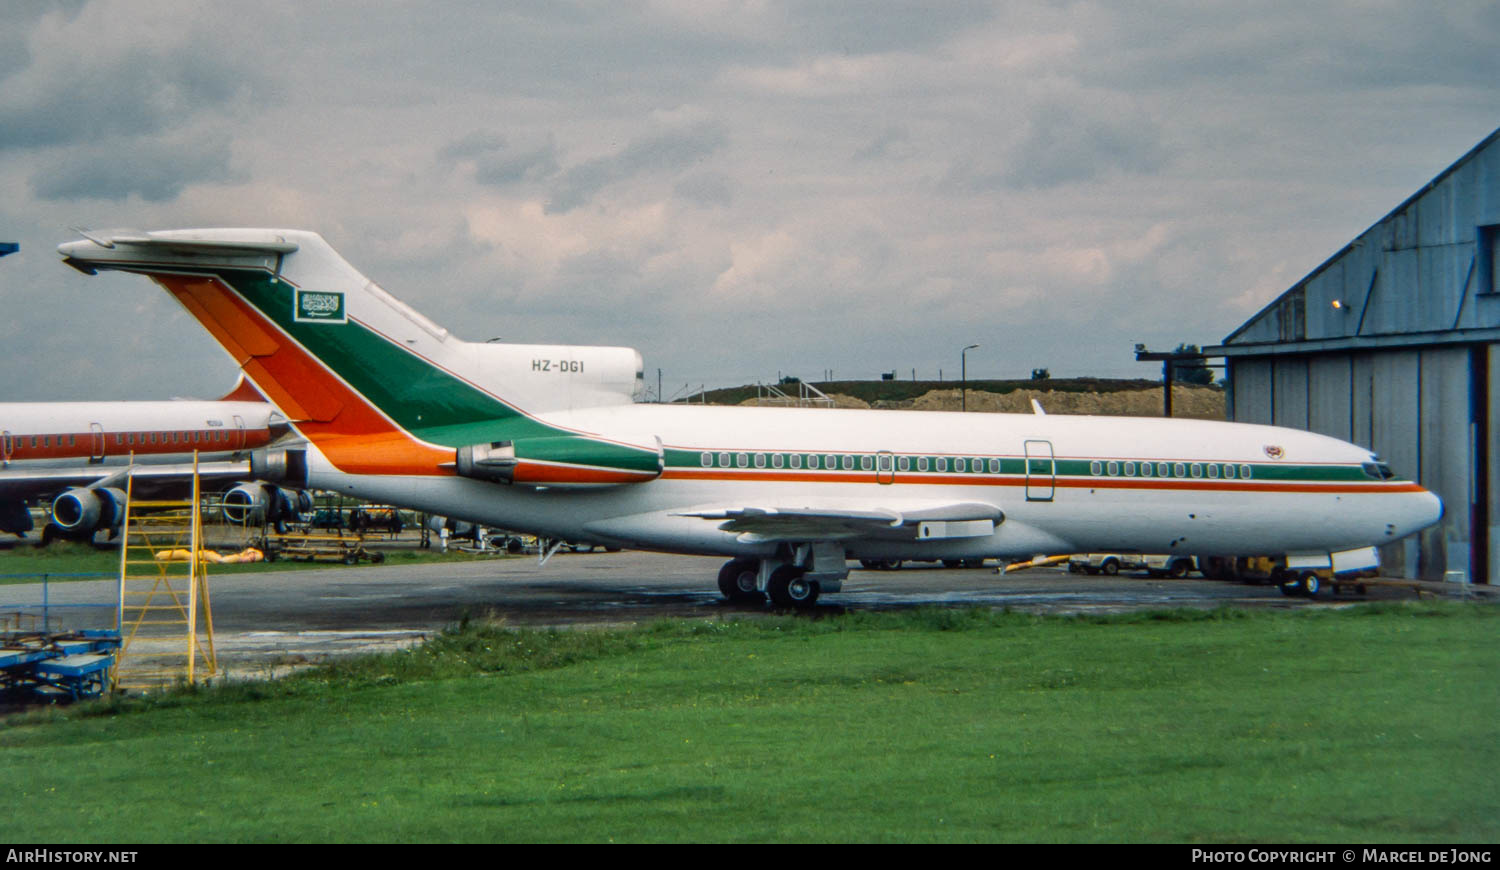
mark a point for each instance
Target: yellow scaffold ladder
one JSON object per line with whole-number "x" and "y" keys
{"x": 165, "y": 621}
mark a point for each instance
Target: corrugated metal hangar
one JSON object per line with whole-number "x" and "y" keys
{"x": 1391, "y": 344}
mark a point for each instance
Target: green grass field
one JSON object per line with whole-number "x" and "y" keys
{"x": 1362, "y": 724}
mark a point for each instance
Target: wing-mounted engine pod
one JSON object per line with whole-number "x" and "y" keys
{"x": 560, "y": 460}
{"x": 255, "y": 503}
{"x": 87, "y": 510}
{"x": 280, "y": 466}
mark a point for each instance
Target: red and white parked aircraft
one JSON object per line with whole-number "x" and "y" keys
{"x": 77, "y": 454}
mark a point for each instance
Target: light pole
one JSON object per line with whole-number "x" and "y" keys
{"x": 963, "y": 362}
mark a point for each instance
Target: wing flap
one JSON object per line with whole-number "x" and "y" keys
{"x": 843, "y": 522}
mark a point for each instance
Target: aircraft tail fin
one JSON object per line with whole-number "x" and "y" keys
{"x": 346, "y": 361}
{"x": 243, "y": 391}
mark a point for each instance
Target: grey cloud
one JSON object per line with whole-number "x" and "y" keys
{"x": 135, "y": 94}
{"x": 155, "y": 171}
{"x": 664, "y": 151}
{"x": 892, "y": 142}
{"x": 1291, "y": 46}
{"x": 1062, "y": 145}
{"x": 497, "y": 162}
{"x": 706, "y": 189}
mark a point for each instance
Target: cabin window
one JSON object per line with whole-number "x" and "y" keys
{"x": 830, "y": 462}
{"x": 71, "y": 441}
{"x": 960, "y": 464}
{"x": 942, "y": 463}
{"x": 1197, "y": 470}
{"x": 978, "y": 465}
{"x": 1163, "y": 469}
{"x": 119, "y": 439}
{"x": 1229, "y": 471}
{"x": 1129, "y": 469}
{"x": 866, "y": 463}
{"x": 33, "y": 441}
{"x": 1114, "y": 469}
{"x": 921, "y": 463}
{"x": 848, "y": 462}
{"x": 903, "y": 463}
{"x": 885, "y": 462}
{"x": 47, "y": 441}
{"x": 1245, "y": 472}
{"x": 742, "y": 460}
{"x": 1213, "y": 470}
{"x": 706, "y": 460}
{"x": 994, "y": 466}
{"x": 777, "y": 460}
{"x": 812, "y": 460}
{"x": 1145, "y": 469}
{"x": 795, "y": 460}
{"x": 1096, "y": 468}
{"x": 760, "y": 460}
{"x": 723, "y": 460}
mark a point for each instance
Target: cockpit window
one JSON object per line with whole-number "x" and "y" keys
{"x": 1377, "y": 470}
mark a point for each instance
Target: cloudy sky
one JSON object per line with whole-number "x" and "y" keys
{"x": 735, "y": 189}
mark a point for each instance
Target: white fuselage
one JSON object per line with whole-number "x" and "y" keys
{"x": 1184, "y": 510}
{"x": 44, "y": 435}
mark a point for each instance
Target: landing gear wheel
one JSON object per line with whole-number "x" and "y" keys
{"x": 737, "y": 581}
{"x": 789, "y": 587}
{"x": 1110, "y": 567}
{"x": 1178, "y": 569}
{"x": 1309, "y": 584}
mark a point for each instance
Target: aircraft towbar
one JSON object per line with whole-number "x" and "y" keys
{"x": 560, "y": 460}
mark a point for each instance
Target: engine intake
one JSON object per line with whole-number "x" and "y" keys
{"x": 560, "y": 460}
{"x": 255, "y": 503}
{"x": 87, "y": 510}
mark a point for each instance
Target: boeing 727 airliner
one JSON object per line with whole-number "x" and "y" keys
{"x": 549, "y": 440}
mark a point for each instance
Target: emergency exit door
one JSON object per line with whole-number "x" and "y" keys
{"x": 1041, "y": 471}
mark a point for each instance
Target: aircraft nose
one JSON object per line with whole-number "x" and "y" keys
{"x": 1422, "y": 509}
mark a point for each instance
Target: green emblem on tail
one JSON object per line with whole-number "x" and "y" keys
{"x": 315, "y": 307}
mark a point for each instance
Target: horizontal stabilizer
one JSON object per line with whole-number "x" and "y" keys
{"x": 181, "y": 245}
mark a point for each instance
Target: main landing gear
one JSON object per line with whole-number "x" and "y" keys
{"x": 794, "y": 580}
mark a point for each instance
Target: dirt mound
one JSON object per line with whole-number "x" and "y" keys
{"x": 839, "y": 401}
{"x": 1200, "y": 403}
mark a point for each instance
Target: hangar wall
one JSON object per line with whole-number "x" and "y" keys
{"x": 1390, "y": 344}
{"x": 1423, "y": 411}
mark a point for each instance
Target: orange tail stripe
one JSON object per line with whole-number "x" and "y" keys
{"x": 354, "y": 436}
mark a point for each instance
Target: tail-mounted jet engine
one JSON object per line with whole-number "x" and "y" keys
{"x": 560, "y": 460}
{"x": 280, "y": 466}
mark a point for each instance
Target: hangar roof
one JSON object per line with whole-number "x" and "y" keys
{"x": 1427, "y": 273}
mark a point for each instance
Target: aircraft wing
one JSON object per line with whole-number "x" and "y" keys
{"x": 843, "y": 522}
{"x": 150, "y": 479}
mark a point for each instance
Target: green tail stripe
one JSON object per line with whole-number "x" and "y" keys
{"x": 421, "y": 398}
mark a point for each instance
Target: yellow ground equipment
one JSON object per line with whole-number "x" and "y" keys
{"x": 165, "y": 618}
